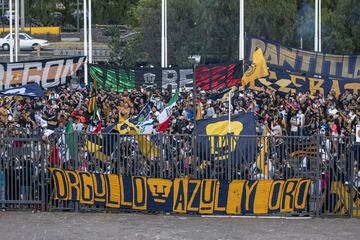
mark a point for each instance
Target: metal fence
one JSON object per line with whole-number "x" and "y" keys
{"x": 21, "y": 169}
{"x": 332, "y": 164}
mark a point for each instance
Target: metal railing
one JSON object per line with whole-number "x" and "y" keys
{"x": 331, "y": 163}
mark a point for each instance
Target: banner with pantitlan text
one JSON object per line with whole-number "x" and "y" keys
{"x": 181, "y": 195}
{"x": 308, "y": 71}
{"x": 298, "y": 60}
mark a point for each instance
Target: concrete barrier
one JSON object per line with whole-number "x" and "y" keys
{"x": 36, "y": 30}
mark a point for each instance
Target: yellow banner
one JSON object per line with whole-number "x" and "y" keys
{"x": 36, "y": 30}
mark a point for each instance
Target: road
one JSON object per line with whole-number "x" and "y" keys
{"x": 93, "y": 226}
{"x": 62, "y": 45}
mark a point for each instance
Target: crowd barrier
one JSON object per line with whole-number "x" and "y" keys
{"x": 317, "y": 175}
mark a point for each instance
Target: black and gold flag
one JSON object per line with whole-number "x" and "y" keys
{"x": 258, "y": 69}
{"x": 105, "y": 144}
{"x": 219, "y": 139}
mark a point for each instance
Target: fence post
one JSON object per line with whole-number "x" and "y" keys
{"x": 229, "y": 167}
{"x": 317, "y": 189}
{"x": 161, "y": 157}
{"x": 43, "y": 182}
{"x": 350, "y": 179}
{"x": 194, "y": 152}
{"x": 76, "y": 160}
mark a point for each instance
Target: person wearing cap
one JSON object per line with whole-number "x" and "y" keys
{"x": 209, "y": 110}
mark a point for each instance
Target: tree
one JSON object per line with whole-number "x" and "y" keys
{"x": 182, "y": 40}
{"x": 208, "y": 27}
{"x": 112, "y": 11}
{"x": 40, "y": 10}
{"x": 272, "y": 20}
{"x": 211, "y": 27}
{"x": 219, "y": 30}
{"x": 341, "y": 27}
{"x": 103, "y": 12}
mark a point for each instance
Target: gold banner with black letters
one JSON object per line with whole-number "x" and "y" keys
{"x": 207, "y": 196}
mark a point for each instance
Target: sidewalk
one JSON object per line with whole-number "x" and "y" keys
{"x": 91, "y": 226}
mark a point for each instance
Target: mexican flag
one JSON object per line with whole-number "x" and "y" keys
{"x": 165, "y": 115}
{"x": 70, "y": 139}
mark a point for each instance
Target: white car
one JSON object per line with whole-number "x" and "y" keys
{"x": 26, "y": 42}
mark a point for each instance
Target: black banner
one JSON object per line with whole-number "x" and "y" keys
{"x": 285, "y": 82}
{"x": 217, "y": 76}
{"x": 47, "y": 73}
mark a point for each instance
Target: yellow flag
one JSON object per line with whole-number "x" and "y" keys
{"x": 258, "y": 68}
{"x": 92, "y": 104}
{"x": 93, "y": 96}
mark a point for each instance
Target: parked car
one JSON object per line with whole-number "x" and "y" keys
{"x": 26, "y": 42}
{"x": 6, "y": 17}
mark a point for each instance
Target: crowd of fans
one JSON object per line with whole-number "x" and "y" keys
{"x": 295, "y": 114}
{"x": 292, "y": 114}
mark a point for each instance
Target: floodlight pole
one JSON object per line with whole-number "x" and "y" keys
{"x": 85, "y": 43}
{"x": 164, "y": 63}
{"x": 316, "y": 41}
{"x": 90, "y": 34}
{"x": 319, "y": 34}
{"x": 16, "y": 30}
{"x": 11, "y": 48}
{"x": 22, "y": 14}
{"x": 78, "y": 15}
{"x": 241, "y": 31}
